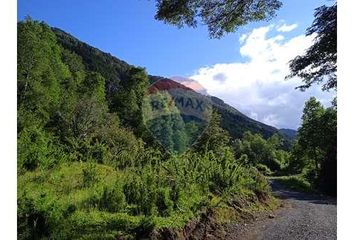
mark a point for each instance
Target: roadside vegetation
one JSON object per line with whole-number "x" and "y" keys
{"x": 89, "y": 169}
{"x": 295, "y": 182}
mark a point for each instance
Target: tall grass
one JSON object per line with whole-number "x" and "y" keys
{"x": 153, "y": 193}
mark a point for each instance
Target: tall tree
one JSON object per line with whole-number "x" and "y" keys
{"x": 319, "y": 64}
{"x": 214, "y": 137}
{"x": 128, "y": 99}
{"x": 221, "y": 16}
{"x": 317, "y": 142}
{"x": 71, "y": 85}
{"x": 40, "y": 73}
{"x": 309, "y": 134}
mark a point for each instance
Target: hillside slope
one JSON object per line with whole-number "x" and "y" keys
{"x": 115, "y": 71}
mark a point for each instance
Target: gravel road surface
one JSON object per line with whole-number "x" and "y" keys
{"x": 303, "y": 216}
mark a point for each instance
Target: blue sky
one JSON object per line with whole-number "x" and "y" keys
{"x": 128, "y": 30}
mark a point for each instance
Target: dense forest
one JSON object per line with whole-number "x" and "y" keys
{"x": 89, "y": 168}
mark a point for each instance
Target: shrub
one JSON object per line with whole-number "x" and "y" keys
{"x": 89, "y": 175}
{"x": 164, "y": 203}
{"x": 140, "y": 192}
{"x": 224, "y": 173}
{"x": 37, "y": 148}
{"x": 310, "y": 174}
{"x": 32, "y": 222}
{"x": 167, "y": 193}
{"x": 259, "y": 185}
{"x": 264, "y": 169}
{"x": 296, "y": 182}
{"x": 113, "y": 199}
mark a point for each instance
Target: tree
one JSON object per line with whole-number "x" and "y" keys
{"x": 71, "y": 85}
{"x": 40, "y": 77}
{"x": 222, "y": 16}
{"x": 40, "y": 73}
{"x": 320, "y": 61}
{"x": 328, "y": 172}
{"x": 317, "y": 145}
{"x": 214, "y": 137}
{"x": 310, "y": 131}
{"x": 261, "y": 151}
{"x": 82, "y": 94}
{"x": 127, "y": 102}
{"x": 93, "y": 86}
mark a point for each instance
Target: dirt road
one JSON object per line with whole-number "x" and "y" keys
{"x": 303, "y": 217}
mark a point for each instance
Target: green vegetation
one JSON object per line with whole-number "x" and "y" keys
{"x": 78, "y": 200}
{"x": 295, "y": 182}
{"x": 117, "y": 72}
{"x": 314, "y": 154}
{"x": 319, "y": 63}
{"x": 220, "y": 16}
{"x": 265, "y": 154}
{"x": 237, "y": 123}
{"x": 311, "y": 165}
{"x": 172, "y": 115}
{"x": 87, "y": 167}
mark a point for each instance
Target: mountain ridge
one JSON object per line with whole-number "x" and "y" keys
{"x": 115, "y": 70}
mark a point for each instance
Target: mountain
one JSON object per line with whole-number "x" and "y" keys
{"x": 237, "y": 123}
{"x": 111, "y": 68}
{"x": 290, "y": 133}
{"x": 191, "y": 84}
{"x": 115, "y": 71}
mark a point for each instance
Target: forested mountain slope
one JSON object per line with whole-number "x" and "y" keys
{"x": 115, "y": 71}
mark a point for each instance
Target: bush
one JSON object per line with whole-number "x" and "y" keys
{"x": 37, "y": 148}
{"x": 273, "y": 163}
{"x": 296, "y": 182}
{"x": 89, "y": 175}
{"x": 224, "y": 173}
{"x": 32, "y": 222}
{"x": 264, "y": 169}
{"x": 261, "y": 151}
{"x": 167, "y": 193}
{"x": 259, "y": 185}
{"x": 95, "y": 135}
{"x": 164, "y": 203}
{"x": 310, "y": 174}
{"x": 113, "y": 199}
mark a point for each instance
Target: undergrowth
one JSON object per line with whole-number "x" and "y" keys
{"x": 88, "y": 200}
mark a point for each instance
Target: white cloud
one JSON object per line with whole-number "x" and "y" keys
{"x": 243, "y": 38}
{"x": 257, "y": 87}
{"x": 271, "y": 119}
{"x": 286, "y": 28}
